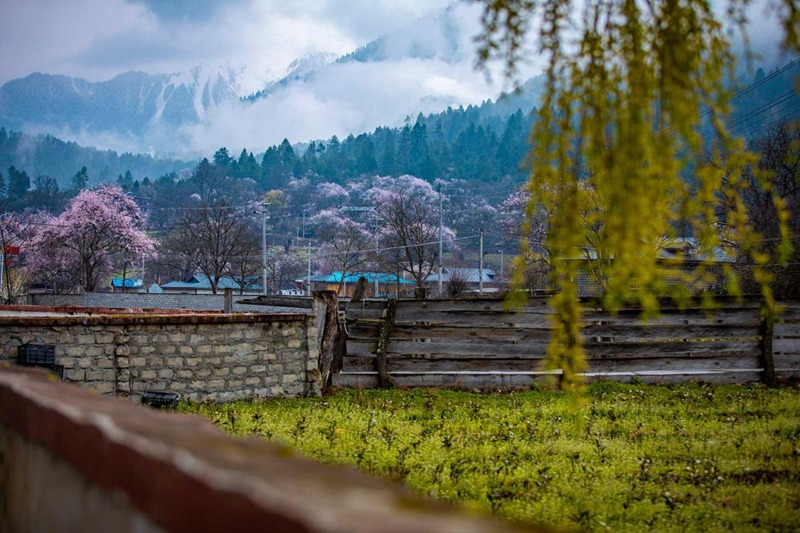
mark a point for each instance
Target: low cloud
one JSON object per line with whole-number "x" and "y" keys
{"x": 342, "y": 99}
{"x": 98, "y": 39}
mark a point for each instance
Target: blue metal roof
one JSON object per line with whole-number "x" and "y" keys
{"x": 353, "y": 277}
{"x": 200, "y": 281}
{"x": 130, "y": 283}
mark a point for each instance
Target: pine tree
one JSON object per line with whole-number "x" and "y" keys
{"x": 79, "y": 180}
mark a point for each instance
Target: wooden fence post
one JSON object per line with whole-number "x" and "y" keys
{"x": 767, "y": 359}
{"x": 228, "y": 305}
{"x": 326, "y": 307}
{"x": 385, "y": 381}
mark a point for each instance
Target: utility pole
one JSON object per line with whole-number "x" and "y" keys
{"x": 480, "y": 268}
{"x": 308, "y": 243}
{"x": 375, "y": 219}
{"x": 440, "y": 240}
{"x": 308, "y": 284}
{"x": 501, "y": 264}
{"x": 264, "y": 248}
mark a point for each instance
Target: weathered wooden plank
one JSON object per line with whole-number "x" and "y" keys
{"x": 355, "y": 331}
{"x": 787, "y": 365}
{"x": 505, "y": 319}
{"x": 465, "y": 381}
{"x": 476, "y": 319}
{"x": 782, "y": 345}
{"x": 533, "y": 348}
{"x": 625, "y": 350}
{"x": 675, "y": 364}
{"x": 537, "y": 305}
{"x": 361, "y": 348}
{"x": 784, "y": 330}
{"x": 717, "y": 377}
{"x": 631, "y": 332}
{"x": 366, "y": 313}
{"x": 458, "y": 332}
{"x": 766, "y": 357}
{"x": 738, "y": 317}
{"x": 789, "y": 312}
{"x": 508, "y": 380}
{"x": 395, "y": 365}
{"x": 357, "y": 364}
{"x": 468, "y": 348}
{"x": 633, "y": 328}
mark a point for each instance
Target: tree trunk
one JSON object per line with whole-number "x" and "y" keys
{"x": 330, "y": 336}
{"x": 385, "y": 381}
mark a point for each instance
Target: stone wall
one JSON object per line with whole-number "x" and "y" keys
{"x": 195, "y": 302}
{"x": 204, "y": 357}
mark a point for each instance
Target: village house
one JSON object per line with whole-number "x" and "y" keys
{"x": 201, "y": 284}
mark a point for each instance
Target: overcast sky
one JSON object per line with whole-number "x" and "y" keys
{"x": 98, "y": 39}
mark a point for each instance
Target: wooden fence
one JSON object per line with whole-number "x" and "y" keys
{"x": 483, "y": 343}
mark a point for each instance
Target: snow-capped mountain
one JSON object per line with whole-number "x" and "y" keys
{"x": 299, "y": 70}
{"x": 130, "y": 105}
{"x": 447, "y": 38}
{"x": 422, "y": 68}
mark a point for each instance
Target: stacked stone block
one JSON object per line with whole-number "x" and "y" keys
{"x": 204, "y": 358}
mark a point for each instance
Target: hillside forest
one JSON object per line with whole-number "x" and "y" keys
{"x": 377, "y": 201}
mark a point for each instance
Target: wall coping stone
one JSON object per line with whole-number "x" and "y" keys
{"x": 150, "y": 318}
{"x": 185, "y": 474}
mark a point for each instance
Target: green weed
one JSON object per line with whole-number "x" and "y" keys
{"x": 623, "y": 457}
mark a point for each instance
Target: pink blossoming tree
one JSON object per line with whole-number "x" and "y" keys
{"x": 343, "y": 241}
{"x": 408, "y": 211}
{"x": 100, "y": 231}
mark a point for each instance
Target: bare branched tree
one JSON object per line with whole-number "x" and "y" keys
{"x": 211, "y": 238}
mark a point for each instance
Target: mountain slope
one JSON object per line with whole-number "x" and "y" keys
{"x": 47, "y": 155}
{"x": 132, "y": 104}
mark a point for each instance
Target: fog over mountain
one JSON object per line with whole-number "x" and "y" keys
{"x": 186, "y": 77}
{"x": 134, "y": 110}
{"x": 423, "y": 67}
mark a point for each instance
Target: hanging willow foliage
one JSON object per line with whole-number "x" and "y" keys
{"x": 630, "y": 85}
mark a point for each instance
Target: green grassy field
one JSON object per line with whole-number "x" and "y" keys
{"x": 617, "y": 457}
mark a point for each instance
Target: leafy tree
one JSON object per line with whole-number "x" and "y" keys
{"x": 626, "y": 86}
{"x": 222, "y": 158}
{"x": 83, "y": 244}
{"x": 79, "y": 180}
{"x": 46, "y": 194}
{"x": 209, "y": 180}
{"x": 247, "y": 166}
{"x": 125, "y": 181}
{"x": 18, "y": 183}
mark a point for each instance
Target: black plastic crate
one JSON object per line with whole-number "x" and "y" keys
{"x": 161, "y": 400}
{"x": 36, "y": 355}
